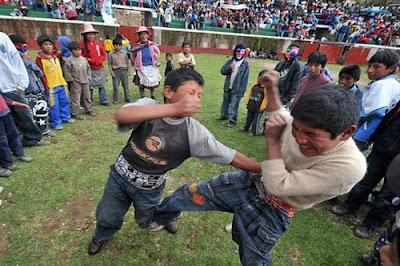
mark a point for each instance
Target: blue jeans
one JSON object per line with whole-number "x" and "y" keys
{"x": 118, "y": 196}
{"x": 9, "y": 140}
{"x": 59, "y": 106}
{"x": 102, "y": 95}
{"x": 24, "y": 120}
{"x": 230, "y": 106}
{"x": 257, "y": 226}
{"x": 382, "y": 206}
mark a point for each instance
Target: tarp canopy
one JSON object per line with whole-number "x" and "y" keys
{"x": 375, "y": 10}
{"x": 235, "y": 7}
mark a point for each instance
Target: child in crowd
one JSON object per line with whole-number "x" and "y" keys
{"x": 120, "y": 68}
{"x": 170, "y": 65}
{"x": 315, "y": 75}
{"x": 256, "y": 104}
{"x": 163, "y": 136}
{"x": 77, "y": 72}
{"x": 65, "y": 52}
{"x": 186, "y": 59}
{"x": 9, "y": 138}
{"x": 108, "y": 44}
{"x": 54, "y": 83}
{"x": 348, "y": 76}
{"x": 35, "y": 91}
{"x": 94, "y": 52}
{"x": 379, "y": 95}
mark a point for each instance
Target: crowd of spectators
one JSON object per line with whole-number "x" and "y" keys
{"x": 59, "y": 9}
{"x": 347, "y": 22}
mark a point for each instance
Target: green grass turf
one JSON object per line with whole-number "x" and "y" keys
{"x": 49, "y": 214}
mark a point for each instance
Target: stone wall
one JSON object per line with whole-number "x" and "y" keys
{"x": 31, "y": 28}
{"x": 131, "y": 17}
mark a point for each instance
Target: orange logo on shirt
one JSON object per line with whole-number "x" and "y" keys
{"x": 153, "y": 143}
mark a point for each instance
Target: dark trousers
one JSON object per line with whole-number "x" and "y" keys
{"x": 253, "y": 120}
{"x": 9, "y": 140}
{"x": 382, "y": 206}
{"x": 24, "y": 120}
{"x": 121, "y": 75}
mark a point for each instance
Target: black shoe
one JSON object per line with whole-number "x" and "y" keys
{"x": 230, "y": 124}
{"x": 77, "y": 117}
{"x": 172, "y": 227}
{"x": 363, "y": 232}
{"x": 369, "y": 260}
{"x": 91, "y": 113}
{"x": 96, "y": 246}
{"x": 221, "y": 118}
{"x": 340, "y": 209}
{"x": 106, "y": 104}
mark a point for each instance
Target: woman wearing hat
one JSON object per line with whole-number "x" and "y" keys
{"x": 94, "y": 52}
{"x": 144, "y": 56}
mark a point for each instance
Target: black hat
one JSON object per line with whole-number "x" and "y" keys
{"x": 16, "y": 38}
{"x": 44, "y": 38}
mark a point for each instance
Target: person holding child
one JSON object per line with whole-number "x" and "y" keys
{"x": 95, "y": 54}
{"x": 54, "y": 82}
{"x": 256, "y": 104}
{"x": 311, "y": 157}
{"x": 120, "y": 68}
{"x": 144, "y": 55}
{"x": 163, "y": 136}
{"x": 77, "y": 72}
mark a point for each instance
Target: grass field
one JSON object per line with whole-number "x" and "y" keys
{"x": 48, "y": 212}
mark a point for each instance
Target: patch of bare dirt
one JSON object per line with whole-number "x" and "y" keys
{"x": 82, "y": 139}
{"x": 105, "y": 117}
{"x": 3, "y": 244}
{"x": 294, "y": 251}
{"x": 78, "y": 216}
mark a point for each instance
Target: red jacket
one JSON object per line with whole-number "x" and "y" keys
{"x": 97, "y": 54}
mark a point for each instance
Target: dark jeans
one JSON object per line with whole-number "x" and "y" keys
{"x": 257, "y": 226}
{"x": 230, "y": 106}
{"x": 382, "y": 206}
{"x": 9, "y": 140}
{"x": 121, "y": 75}
{"x": 24, "y": 120}
{"x": 102, "y": 94}
{"x": 118, "y": 196}
{"x": 253, "y": 120}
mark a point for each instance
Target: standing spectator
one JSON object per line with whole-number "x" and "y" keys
{"x": 236, "y": 70}
{"x": 144, "y": 56}
{"x": 119, "y": 67}
{"x": 289, "y": 74}
{"x": 65, "y": 52}
{"x": 94, "y": 52}
{"x": 170, "y": 65}
{"x": 169, "y": 12}
{"x": 14, "y": 81}
{"x": 78, "y": 73}
{"x": 108, "y": 44}
{"x": 88, "y": 10}
{"x": 54, "y": 83}
{"x": 186, "y": 59}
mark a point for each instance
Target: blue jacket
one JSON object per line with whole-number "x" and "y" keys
{"x": 242, "y": 77}
{"x": 34, "y": 74}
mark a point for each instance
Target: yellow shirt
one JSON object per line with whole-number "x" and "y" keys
{"x": 53, "y": 72}
{"x": 108, "y": 45}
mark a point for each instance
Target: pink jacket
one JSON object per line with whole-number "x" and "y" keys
{"x": 136, "y": 56}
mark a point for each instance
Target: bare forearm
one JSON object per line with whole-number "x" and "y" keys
{"x": 245, "y": 163}
{"x": 273, "y": 149}
{"x": 136, "y": 114}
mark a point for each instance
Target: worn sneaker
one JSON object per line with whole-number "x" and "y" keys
{"x": 220, "y": 118}
{"x": 96, "y": 246}
{"x": 42, "y": 143}
{"x": 12, "y": 167}
{"x": 77, "y": 117}
{"x": 340, "y": 210}
{"x": 230, "y": 124}
{"x": 242, "y": 130}
{"x": 49, "y": 133}
{"x": 155, "y": 227}
{"x": 71, "y": 121}
{"x": 91, "y": 113}
{"x": 58, "y": 128}
{"x": 25, "y": 159}
{"x": 5, "y": 172}
{"x": 363, "y": 232}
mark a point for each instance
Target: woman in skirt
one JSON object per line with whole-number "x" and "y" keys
{"x": 144, "y": 56}
{"x": 94, "y": 52}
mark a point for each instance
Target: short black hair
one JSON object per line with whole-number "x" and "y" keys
{"x": 168, "y": 54}
{"x": 186, "y": 43}
{"x": 330, "y": 107}
{"x": 317, "y": 57}
{"x": 387, "y": 57}
{"x": 262, "y": 72}
{"x": 117, "y": 41}
{"x": 178, "y": 77}
{"x": 353, "y": 71}
{"x": 108, "y": 37}
{"x": 295, "y": 44}
{"x": 44, "y": 38}
{"x": 74, "y": 46}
